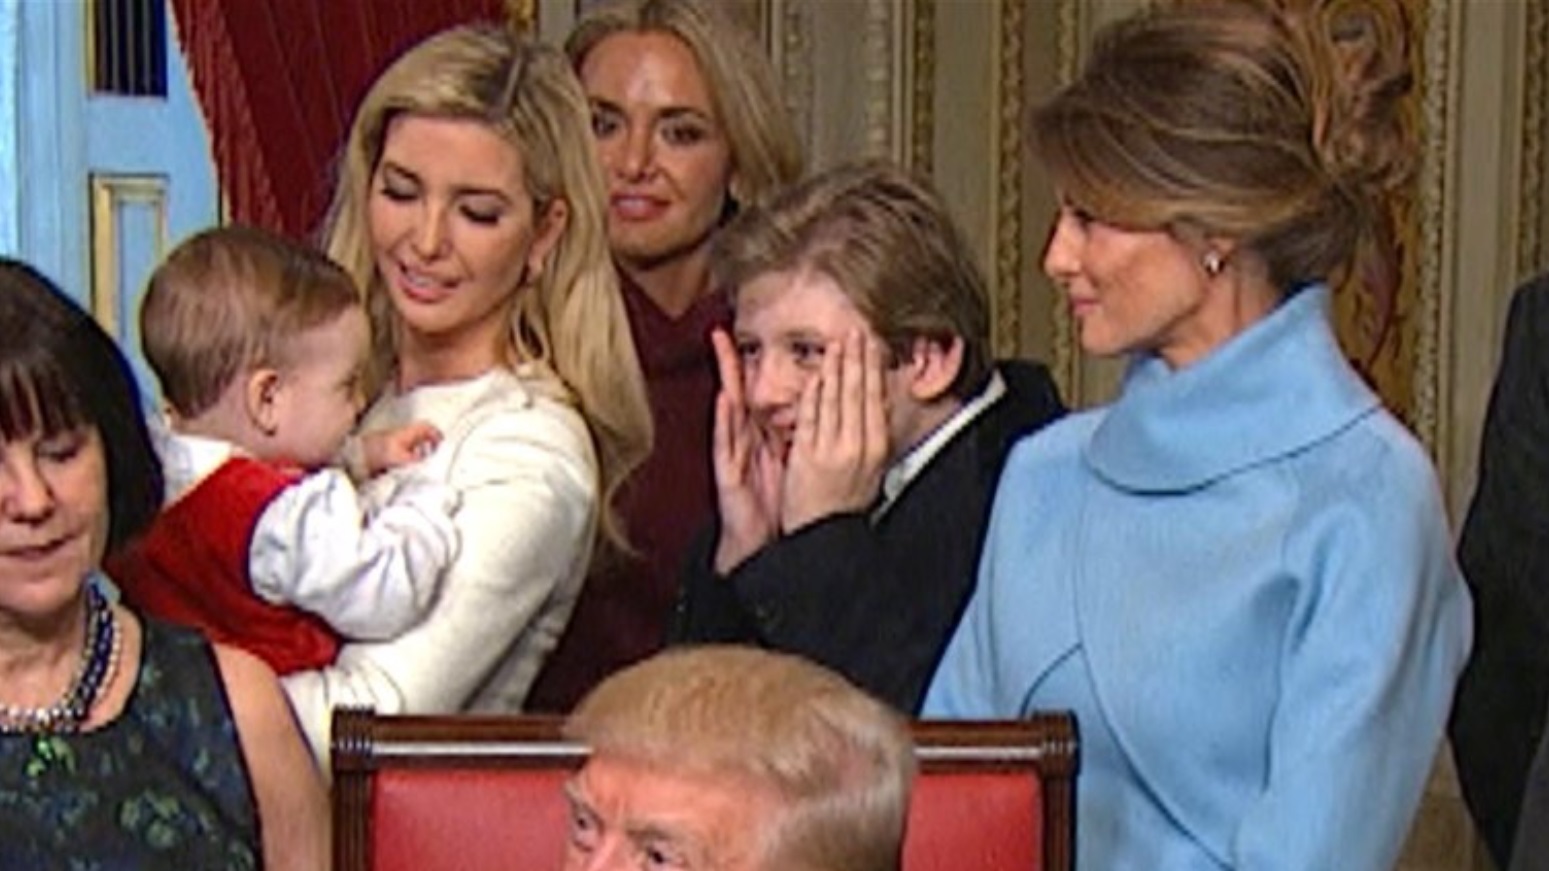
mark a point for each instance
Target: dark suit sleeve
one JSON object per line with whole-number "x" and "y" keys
{"x": 708, "y": 609}
{"x": 877, "y": 603}
{"x": 831, "y": 592}
{"x": 1498, "y": 716}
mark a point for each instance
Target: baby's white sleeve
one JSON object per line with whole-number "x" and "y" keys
{"x": 370, "y": 577}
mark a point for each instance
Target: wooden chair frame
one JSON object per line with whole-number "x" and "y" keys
{"x": 1046, "y": 742}
{"x": 365, "y": 742}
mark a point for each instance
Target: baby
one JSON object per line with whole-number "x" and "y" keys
{"x": 258, "y": 344}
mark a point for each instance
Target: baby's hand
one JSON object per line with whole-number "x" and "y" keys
{"x": 390, "y": 448}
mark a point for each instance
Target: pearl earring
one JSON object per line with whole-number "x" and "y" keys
{"x": 1213, "y": 263}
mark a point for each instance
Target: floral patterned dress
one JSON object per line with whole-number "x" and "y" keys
{"x": 163, "y": 786}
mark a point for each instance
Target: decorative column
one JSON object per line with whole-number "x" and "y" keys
{"x": 1532, "y": 246}
{"x": 1010, "y": 107}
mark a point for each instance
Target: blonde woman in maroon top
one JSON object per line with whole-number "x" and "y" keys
{"x": 689, "y": 128}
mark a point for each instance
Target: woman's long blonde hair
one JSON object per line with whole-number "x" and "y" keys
{"x": 572, "y": 320}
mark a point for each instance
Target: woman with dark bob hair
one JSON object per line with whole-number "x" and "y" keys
{"x": 1238, "y": 575}
{"x": 121, "y": 739}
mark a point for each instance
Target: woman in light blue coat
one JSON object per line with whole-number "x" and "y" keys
{"x": 1239, "y": 575}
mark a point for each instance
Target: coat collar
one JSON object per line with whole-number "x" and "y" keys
{"x": 1258, "y": 397}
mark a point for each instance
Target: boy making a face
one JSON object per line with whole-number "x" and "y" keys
{"x": 859, "y": 433}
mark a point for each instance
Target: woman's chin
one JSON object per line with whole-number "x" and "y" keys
{"x": 40, "y": 593}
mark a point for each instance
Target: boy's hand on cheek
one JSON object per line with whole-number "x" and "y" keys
{"x": 840, "y": 451}
{"x": 749, "y": 472}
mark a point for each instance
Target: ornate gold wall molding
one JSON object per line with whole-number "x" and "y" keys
{"x": 522, "y": 15}
{"x": 922, "y": 109}
{"x": 859, "y": 77}
{"x": 789, "y": 41}
{"x": 1010, "y": 87}
{"x": 128, "y": 237}
{"x": 1532, "y": 256}
{"x": 1431, "y": 354}
{"x": 1065, "y": 359}
{"x": 877, "y": 51}
{"x": 1389, "y": 315}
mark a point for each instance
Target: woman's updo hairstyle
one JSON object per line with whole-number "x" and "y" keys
{"x": 1275, "y": 124}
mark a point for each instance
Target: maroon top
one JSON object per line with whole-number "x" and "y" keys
{"x": 624, "y": 609}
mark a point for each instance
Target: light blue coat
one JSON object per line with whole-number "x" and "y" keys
{"x": 1240, "y": 578}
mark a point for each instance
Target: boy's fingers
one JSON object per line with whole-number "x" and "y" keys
{"x": 729, "y": 364}
{"x": 875, "y": 408}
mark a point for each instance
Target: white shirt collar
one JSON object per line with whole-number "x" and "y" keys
{"x": 186, "y": 459}
{"x": 910, "y": 465}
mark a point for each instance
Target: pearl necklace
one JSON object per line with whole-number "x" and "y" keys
{"x": 93, "y": 675}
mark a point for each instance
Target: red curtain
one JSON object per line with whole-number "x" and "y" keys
{"x": 279, "y": 81}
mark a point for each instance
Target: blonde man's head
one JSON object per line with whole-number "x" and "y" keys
{"x": 837, "y": 762}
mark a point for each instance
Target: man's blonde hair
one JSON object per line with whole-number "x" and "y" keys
{"x": 226, "y": 300}
{"x": 841, "y": 762}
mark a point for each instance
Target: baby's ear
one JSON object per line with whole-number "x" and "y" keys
{"x": 261, "y": 399}
{"x": 932, "y": 367}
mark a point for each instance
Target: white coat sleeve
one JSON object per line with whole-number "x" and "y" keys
{"x": 370, "y": 577}
{"x": 528, "y": 512}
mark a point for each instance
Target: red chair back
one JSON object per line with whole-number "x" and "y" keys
{"x": 993, "y": 795}
{"x": 462, "y": 792}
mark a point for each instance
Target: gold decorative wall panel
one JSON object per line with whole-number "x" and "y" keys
{"x": 128, "y": 236}
{"x": 522, "y": 15}
{"x": 922, "y": 108}
{"x": 1010, "y": 146}
{"x": 1388, "y": 313}
{"x": 878, "y": 109}
{"x": 1065, "y": 356}
{"x": 790, "y": 46}
{"x": 1423, "y": 221}
{"x": 1533, "y": 229}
